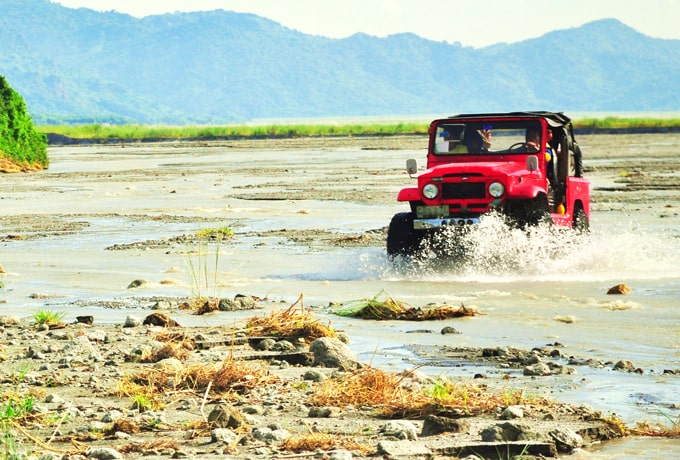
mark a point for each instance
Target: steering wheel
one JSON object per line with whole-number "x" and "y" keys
{"x": 518, "y": 146}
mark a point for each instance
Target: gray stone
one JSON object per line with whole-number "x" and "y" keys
{"x": 225, "y": 416}
{"x": 132, "y": 321}
{"x": 512, "y": 412}
{"x": 223, "y": 435}
{"x": 103, "y": 453}
{"x": 329, "y": 352}
{"x": 566, "y": 439}
{"x": 538, "y": 369}
{"x": 315, "y": 376}
{"x": 436, "y": 424}
{"x": 400, "y": 429}
{"x": 340, "y": 455}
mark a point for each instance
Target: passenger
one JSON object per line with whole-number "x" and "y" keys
{"x": 478, "y": 141}
{"x": 550, "y": 159}
{"x": 456, "y": 145}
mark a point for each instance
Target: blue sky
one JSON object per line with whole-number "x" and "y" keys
{"x": 469, "y": 22}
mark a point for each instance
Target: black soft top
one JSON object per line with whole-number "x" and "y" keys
{"x": 554, "y": 119}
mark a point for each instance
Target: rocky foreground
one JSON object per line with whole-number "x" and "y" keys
{"x": 150, "y": 388}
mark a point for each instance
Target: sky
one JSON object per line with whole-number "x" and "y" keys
{"x": 475, "y": 23}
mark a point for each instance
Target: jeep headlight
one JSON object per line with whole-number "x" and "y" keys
{"x": 496, "y": 189}
{"x": 430, "y": 191}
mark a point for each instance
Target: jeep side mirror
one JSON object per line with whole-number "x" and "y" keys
{"x": 532, "y": 162}
{"x": 411, "y": 166}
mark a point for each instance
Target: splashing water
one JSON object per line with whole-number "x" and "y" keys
{"x": 496, "y": 251}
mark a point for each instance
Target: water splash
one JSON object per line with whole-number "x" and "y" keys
{"x": 495, "y": 251}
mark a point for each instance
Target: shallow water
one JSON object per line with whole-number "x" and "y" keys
{"x": 533, "y": 289}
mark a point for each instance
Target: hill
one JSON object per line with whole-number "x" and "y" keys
{"x": 78, "y": 65}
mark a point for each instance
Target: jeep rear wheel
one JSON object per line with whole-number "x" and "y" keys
{"x": 401, "y": 238}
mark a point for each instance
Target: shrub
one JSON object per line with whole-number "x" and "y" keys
{"x": 20, "y": 143}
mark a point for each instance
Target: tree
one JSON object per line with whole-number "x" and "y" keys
{"x": 20, "y": 143}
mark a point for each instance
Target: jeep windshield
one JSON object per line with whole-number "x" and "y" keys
{"x": 487, "y": 137}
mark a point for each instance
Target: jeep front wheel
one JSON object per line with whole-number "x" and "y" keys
{"x": 401, "y": 238}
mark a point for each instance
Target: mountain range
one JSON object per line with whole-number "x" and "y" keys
{"x": 82, "y": 66}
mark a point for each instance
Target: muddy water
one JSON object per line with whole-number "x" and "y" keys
{"x": 303, "y": 218}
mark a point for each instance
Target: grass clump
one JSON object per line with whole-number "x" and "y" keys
{"x": 382, "y": 306}
{"x": 204, "y": 269}
{"x": 48, "y": 318}
{"x": 659, "y": 430}
{"x": 384, "y": 391}
{"x": 293, "y": 323}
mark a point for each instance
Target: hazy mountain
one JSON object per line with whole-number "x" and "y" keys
{"x": 219, "y": 66}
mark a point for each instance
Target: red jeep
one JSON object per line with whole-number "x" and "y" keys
{"x": 524, "y": 165}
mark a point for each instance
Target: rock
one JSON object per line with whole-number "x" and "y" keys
{"x": 223, "y": 435}
{"x": 97, "y": 336}
{"x": 132, "y": 321}
{"x": 435, "y": 424}
{"x": 283, "y": 345}
{"x": 340, "y": 455}
{"x": 620, "y": 289}
{"x": 512, "y": 412}
{"x": 400, "y": 429}
{"x": 137, "y": 283}
{"x": 267, "y": 434}
{"x": 538, "y": 369}
{"x": 265, "y": 344}
{"x": 225, "y": 416}
{"x": 89, "y": 319}
{"x": 329, "y": 352}
{"x": 315, "y": 376}
{"x": 508, "y": 432}
{"x": 160, "y": 319}
{"x": 624, "y": 365}
{"x": 103, "y": 453}
{"x": 239, "y": 302}
{"x": 566, "y": 440}
{"x": 9, "y": 320}
{"x": 324, "y": 412}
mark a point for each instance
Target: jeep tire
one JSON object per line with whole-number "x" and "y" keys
{"x": 401, "y": 238}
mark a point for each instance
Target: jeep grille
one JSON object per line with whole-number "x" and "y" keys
{"x": 457, "y": 190}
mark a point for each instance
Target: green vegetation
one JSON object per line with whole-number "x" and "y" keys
{"x": 99, "y": 131}
{"x": 139, "y": 132}
{"x": 616, "y": 123}
{"x": 47, "y": 317}
{"x": 21, "y": 146}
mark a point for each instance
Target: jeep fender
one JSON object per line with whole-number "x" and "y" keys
{"x": 523, "y": 191}
{"x": 409, "y": 194}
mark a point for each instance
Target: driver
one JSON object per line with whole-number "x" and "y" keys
{"x": 533, "y": 141}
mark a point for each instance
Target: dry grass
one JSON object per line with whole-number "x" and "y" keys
{"x": 658, "y": 430}
{"x": 385, "y": 392}
{"x": 293, "y": 323}
{"x": 231, "y": 377}
{"x": 323, "y": 442}
{"x": 382, "y": 306}
{"x": 169, "y": 350}
{"x": 156, "y": 444}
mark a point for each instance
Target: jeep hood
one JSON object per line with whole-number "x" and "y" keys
{"x": 487, "y": 168}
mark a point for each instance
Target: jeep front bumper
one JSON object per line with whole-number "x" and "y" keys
{"x": 427, "y": 224}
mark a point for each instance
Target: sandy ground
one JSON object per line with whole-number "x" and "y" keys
{"x": 77, "y": 236}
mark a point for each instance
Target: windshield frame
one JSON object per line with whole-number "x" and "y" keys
{"x": 496, "y": 136}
